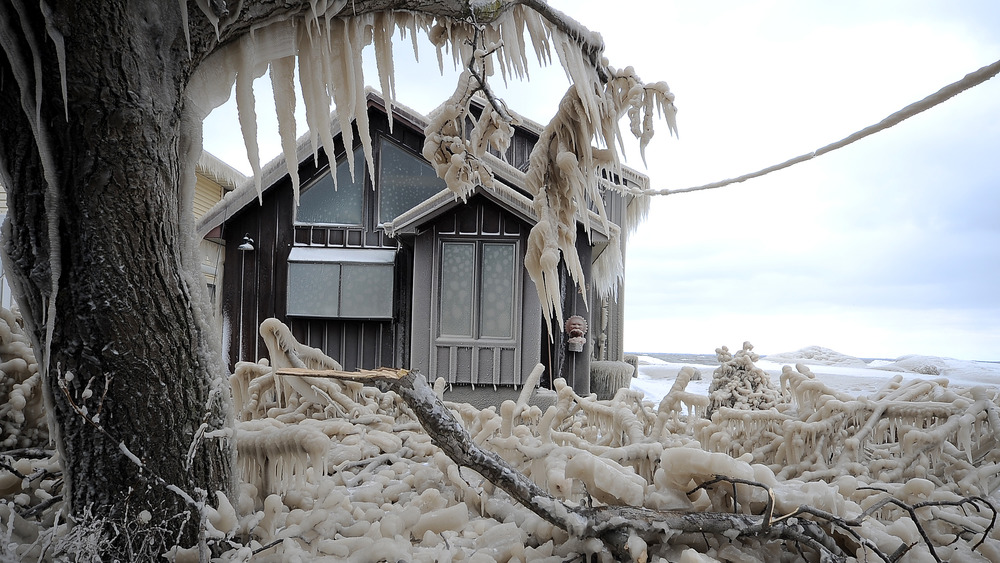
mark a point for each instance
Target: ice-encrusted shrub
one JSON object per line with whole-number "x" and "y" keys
{"x": 740, "y": 384}
{"x": 606, "y": 378}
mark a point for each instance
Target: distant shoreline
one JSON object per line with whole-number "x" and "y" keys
{"x": 710, "y": 359}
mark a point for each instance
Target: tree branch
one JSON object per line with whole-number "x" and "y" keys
{"x": 590, "y": 42}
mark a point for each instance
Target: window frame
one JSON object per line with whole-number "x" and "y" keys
{"x": 440, "y": 339}
{"x": 387, "y": 139}
{"x": 329, "y": 169}
{"x": 344, "y": 259}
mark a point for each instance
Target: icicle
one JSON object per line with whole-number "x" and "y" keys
{"x": 283, "y": 86}
{"x": 438, "y": 38}
{"x": 521, "y": 56}
{"x": 60, "y": 44}
{"x": 360, "y": 102}
{"x": 245, "y": 106}
{"x": 409, "y": 21}
{"x": 345, "y": 85}
{"x": 314, "y": 95}
{"x": 538, "y": 33}
{"x": 206, "y": 9}
{"x": 608, "y": 270}
{"x": 383, "y": 28}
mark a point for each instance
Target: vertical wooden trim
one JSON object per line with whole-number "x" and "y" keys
{"x": 497, "y": 351}
{"x": 452, "y": 363}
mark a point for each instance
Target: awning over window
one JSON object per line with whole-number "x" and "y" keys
{"x": 364, "y": 255}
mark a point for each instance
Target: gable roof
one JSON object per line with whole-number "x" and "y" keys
{"x": 445, "y": 200}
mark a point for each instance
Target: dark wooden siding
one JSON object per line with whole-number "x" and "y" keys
{"x": 255, "y": 286}
{"x": 355, "y": 344}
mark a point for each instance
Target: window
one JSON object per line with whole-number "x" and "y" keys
{"x": 478, "y": 286}
{"x": 320, "y": 203}
{"x": 405, "y": 180}
{"x": 338, "y": 283}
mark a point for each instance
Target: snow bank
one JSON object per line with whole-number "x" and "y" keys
{"x": 817, "y": 355}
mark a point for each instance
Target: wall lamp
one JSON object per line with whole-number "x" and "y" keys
{"x": 247, "y": 243}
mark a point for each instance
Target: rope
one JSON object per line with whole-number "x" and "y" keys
{"x": 970, "y": 80}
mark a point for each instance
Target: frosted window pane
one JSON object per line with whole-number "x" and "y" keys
{"x": 496, "y": 302}
{"x": 313, "y": 289}
{"x": 458, "y": 261}
{"x": 366, "y": 291}
{"x": 320, "y": 203}
{"x": 404, "y": 181}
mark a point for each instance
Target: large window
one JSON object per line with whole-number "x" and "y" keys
{"x": 320, "y": 203}
{"x": 478, "y": 287}
{"x": 405, "y": 180}
{"x": 338, "y": 283}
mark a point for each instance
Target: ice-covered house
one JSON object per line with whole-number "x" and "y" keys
{"x": 401, "y": 274}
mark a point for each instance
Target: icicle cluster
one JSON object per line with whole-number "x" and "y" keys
{"x": 565, "y": 167}
{"x": 327, "y": 48}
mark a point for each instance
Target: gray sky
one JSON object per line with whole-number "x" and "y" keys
{"x": 888, "y": 247}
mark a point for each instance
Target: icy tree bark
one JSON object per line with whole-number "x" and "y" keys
{"x": 95, "y": 221}
{"x": 98, "y": 245}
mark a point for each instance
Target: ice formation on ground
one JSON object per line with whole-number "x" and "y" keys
{"x": 340, "y": 471}
{"x": 22, "y": 421}
{"x": 916, "y": 442}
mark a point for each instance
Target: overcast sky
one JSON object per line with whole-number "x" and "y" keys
{"x": 890, "y": 246}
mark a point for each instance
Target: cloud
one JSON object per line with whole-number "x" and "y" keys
{"x": 896, "y": 233}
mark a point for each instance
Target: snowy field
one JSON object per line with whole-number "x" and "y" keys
{"x": 848, "y": 374}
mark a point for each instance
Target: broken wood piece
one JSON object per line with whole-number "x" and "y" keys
{"x": 380, "y": 374}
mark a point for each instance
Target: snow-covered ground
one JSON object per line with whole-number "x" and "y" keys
{"x": 848, "y": 374}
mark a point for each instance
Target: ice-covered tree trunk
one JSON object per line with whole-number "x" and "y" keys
{"x": 95, "y": 221}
